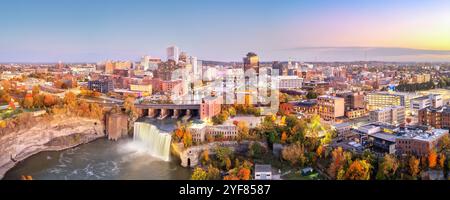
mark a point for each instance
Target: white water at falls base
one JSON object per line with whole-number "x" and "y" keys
{"x": 156, "y": 143}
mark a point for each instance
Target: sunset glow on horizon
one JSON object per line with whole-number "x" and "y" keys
{"x": 51, "y": 30}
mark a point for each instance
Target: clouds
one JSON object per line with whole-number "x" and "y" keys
{"x": 368, "y": 53}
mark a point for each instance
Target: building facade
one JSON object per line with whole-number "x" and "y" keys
{"x": 435, "y": 117}
{"x": 419, "y": 143}
{"x": 390, "y": 115}
{"x": 210, "y": 107}
{"x": 103, "y": 86}
{"x": 330, "y": 107}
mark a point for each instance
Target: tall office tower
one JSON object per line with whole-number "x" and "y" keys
{"x": 196, "y": 68}
{"x": 145, "y": 63}
{"x": 109, "y": 67}
{"x": 173, "y": 53}
{"x": 60, "y": 65}
{"x": 183, "y": 57}
{"x": 251, "y": 61}
{"x": 282, "y": 69}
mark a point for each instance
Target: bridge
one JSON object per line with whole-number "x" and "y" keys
{"x": 162, "y": 111}
{"x": 159, "y": 111}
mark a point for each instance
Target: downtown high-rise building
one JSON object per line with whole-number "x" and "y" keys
{"x": 173, "y": 53}
{"x": 251, "y": 61}
{"x": 196, "y": 68}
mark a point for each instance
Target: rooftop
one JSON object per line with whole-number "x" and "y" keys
{"x": 263, "y": 168}
{"x": 329, "y": 97}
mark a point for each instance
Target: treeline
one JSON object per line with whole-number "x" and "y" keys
{"x": 415, "y": 87}
{"x": 69, "y": 106}
{"x": 406, "y": 87}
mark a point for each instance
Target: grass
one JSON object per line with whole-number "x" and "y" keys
{"x": 298, "y": 176}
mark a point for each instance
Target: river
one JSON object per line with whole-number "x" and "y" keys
{"x": 101, "y": 160}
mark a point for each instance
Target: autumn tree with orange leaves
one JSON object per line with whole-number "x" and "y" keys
{"x": 358, "y": 170}
{"x": 338, "y": 161}
{"x": 432, "y": 159}
{"x": 319, "y": 151}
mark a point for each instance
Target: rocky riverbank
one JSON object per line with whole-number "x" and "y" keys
{"x": 54, "y": 134}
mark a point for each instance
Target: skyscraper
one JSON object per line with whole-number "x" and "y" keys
{"x": 173, "y": 53}
{"x": 196, "y": 68}
{"x": 109, "y": 67}
{"x": 251, "y": 61}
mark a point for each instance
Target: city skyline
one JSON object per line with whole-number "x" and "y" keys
{"x": 92, "y": 31}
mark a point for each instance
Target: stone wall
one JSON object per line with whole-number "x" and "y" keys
{"x": 190, "y": 157}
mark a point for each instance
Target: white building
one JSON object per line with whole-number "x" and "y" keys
{"x": 173, "y": 53}
{"x": 290, "y": 82}
{"x": 196, "y": 68}
{"x": 391, "y": 115}
{"x": 263, "y": 172}
{"x": 432, "y": 100}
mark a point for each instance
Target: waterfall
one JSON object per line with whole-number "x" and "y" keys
{"x": 158, "y": 144}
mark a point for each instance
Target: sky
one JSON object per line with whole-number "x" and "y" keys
{"x": 225, "y": 30}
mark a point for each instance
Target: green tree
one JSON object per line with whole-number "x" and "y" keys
{"x": 311, "y": 95}
{"x": 199, "y": 174}
{"x": 222, "y": 153}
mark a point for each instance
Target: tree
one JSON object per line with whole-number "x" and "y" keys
{"x": 243, "y": 129}
{"x": 413, "y": 165}
{"x": 232, "y": 111}
{"x": 36, "y": 90}
{"x": 358, "y": 170}
{"x": 283, "y": 137}
{"x": 199, "y": 174}
{"x": 213, "y": 173}
{"x": 432, "y": 159}
{"x": 244, "y": 174}
{"x": 70, "y": 99}
{"x": 96, "y": 111}
{"x": 38, "y": 101}
{"x": 311, "y": 95}
{"x": 128, "y": 104}
{"x": 294, "y": 153}
{"x": 179, "y": 133}
{"x": 442, "y": 160}
{"x": 338, "y": 161}
{"x": 28, "y": 102}
{"x": 444, "y": 143}
{"x": 256, "y": 150}
{"x": 187, "y": 139}
{"x": 236, "y": 162}
{"x": 49, "y": 100}
{"x": 228, "y": 163}
{"x": 387, "y": 168}
{"x": 82, "y": 110}
{"x": 205, "y": 156}
{"x": 231, "y": 177}
{"x": 222, "y": 153}
{"x": 319, "y": 151}
{"x": 6, "y": 97}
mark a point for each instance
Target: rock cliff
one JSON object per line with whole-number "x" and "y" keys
{"x": 51, "y": 134}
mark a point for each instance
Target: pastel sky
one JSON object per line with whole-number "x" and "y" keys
{"x": 225, "y": 30}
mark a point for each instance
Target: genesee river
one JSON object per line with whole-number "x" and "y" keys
{"x": 101, "y": 159}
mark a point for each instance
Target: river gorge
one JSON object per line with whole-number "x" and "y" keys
{"x": 100, "y": 159}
